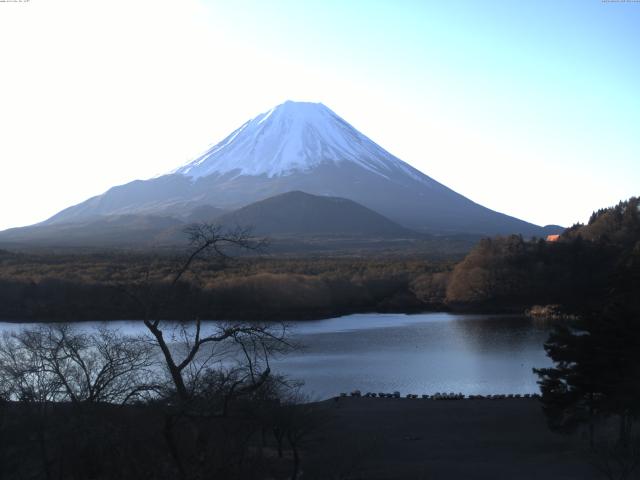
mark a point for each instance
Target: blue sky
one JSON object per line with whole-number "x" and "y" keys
{"x": 531, "y": 108}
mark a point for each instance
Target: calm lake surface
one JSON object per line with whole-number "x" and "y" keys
{"x": 423, "y": 353}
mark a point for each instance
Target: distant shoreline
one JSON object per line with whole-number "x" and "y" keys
{"x": 293, "y": 317}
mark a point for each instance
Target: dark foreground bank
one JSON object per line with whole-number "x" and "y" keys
{"x": 377, "y": 438}
{"x": 345, "y": 438}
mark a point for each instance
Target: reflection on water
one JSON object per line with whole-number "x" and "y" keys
{"x": 425, "y": 353}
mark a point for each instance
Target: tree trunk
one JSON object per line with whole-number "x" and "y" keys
{"x": 174, "y": 371}
{"x": 296, "y": 458}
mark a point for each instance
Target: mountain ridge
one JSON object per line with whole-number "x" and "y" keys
{"x": 301, "y": 146}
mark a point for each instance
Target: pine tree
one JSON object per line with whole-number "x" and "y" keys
{"x": 596, "y": 370}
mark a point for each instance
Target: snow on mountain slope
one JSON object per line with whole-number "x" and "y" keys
{"x": 294, "y": 137}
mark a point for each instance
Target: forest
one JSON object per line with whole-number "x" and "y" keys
{"x": 94, "y": 286}
{"x": 575, "y": 271}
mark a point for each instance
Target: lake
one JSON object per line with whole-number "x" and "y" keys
{"x": 421, "y": 353}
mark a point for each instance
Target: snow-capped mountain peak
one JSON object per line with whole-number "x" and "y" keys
{"x": 300, "y": 147}
{"x": 292, "y": 137}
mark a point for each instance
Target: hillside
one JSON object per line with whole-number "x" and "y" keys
{"x": 114, "y": 231}
{"x": 299, "y": 213}
{"x": 585, "y": 265}
{"x": 294, "y": 222}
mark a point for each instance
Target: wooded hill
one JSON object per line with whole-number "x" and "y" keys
{"x": 96, "y": 286}
{"x": 574, "y": 270}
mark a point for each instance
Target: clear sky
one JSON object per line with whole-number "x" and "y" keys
{"x": 531, "y": 108}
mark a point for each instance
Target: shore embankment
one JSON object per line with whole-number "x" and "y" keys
{"x": 400, "y": 438}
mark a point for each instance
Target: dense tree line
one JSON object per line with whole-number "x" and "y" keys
{"x": 595, "y": 379}
{"x": 512, "y": 273}
{"x": 575, "y": 271}
{"x": 92, "y": 287}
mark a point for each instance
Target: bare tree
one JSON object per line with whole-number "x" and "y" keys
{"x": 195, "y": 347}
{"x": 59, "y": 363}
{"x": 199, "y": 369}
{"x": 23, "y": 374}
{"x": 208, "y": 364}
{"x": 42, "y": 366}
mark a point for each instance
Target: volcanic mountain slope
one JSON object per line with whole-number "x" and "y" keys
{"x": 299, "y": 213}
{"x": 292, "y": 214}
{"x": 305, "y": 147}
{"x": 105, "y": 231}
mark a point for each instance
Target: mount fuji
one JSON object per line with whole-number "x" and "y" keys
{"x": 306, "y": 147}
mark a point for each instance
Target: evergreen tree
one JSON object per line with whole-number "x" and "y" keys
{"x": 596, "y": 368}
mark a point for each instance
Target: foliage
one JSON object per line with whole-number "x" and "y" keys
{"x": 510, "y": 272}
{"x": 596, "y": 368}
